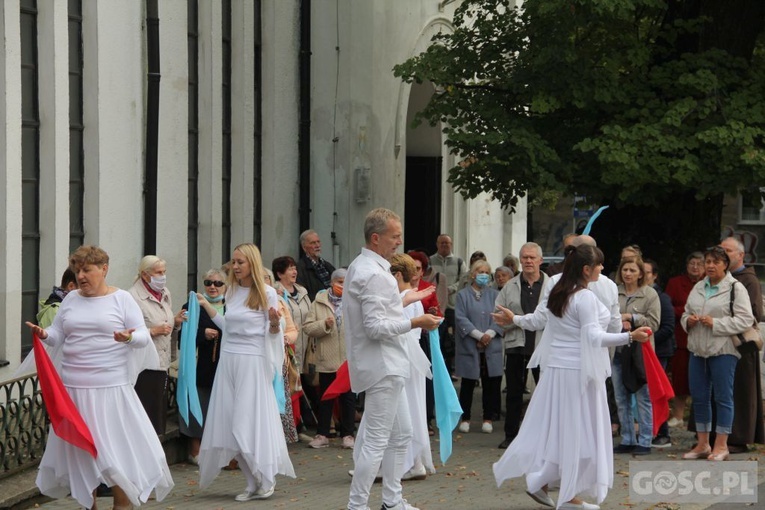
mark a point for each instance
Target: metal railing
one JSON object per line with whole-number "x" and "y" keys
{"x": 24, "y": 422}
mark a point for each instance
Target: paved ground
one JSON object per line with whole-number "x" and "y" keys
{"x": 466, "y": 482}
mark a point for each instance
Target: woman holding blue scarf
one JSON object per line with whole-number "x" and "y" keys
{"x": 478, "y": 346}
{"x": 208, "y": 353}
{"x": 243, "y": 418}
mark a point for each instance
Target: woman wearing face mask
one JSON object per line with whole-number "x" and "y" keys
{"x": 479, "y": 346}
{"x": 153, "y": 298}
{"x": 324, "y": 323}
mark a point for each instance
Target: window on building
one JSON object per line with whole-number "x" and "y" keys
{"x": 751, "y": 206}
{"x": 193, "y": 231}
{"x": 226, "y": 167}
{"x": 76, "y": 128}
{"x": 30, "y": 169}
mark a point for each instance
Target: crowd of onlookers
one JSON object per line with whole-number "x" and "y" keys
{"x": 704, "y": 323}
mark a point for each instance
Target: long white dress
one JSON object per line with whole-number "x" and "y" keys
{"x": 243, "y": 418}
{"x": 419, "y": 448}
{"x": 565, "y": 438}
{"x": 99, "y": 374}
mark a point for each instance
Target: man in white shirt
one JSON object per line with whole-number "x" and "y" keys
{"x": 378, "y": 362}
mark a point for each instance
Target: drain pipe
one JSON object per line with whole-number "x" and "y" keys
{"x": 152, "y": 129}
{"x": 304, "y": 134}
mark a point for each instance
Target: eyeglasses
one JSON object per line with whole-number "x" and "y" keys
{"x": 716, "y": 249}
{"x": 214, "y": 282}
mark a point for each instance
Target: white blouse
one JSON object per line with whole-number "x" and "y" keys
{"x": 84, "y": 329}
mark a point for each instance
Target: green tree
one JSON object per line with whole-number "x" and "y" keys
{"x": 654, "y": 107}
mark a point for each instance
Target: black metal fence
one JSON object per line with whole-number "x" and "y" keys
{"x": 24, "y": 422}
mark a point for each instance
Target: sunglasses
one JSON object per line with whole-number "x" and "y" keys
{"x": 214, "y": 282}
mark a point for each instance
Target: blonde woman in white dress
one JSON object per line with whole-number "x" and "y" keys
{"x": 243, "y": 421}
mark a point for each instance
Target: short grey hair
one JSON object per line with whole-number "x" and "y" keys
{"x": 533, "y": 246}
{"x": 504, "y": 269}
{"x": 215, "y": 272}
{"x": 583, "y": 239}
{"x": 338, "y": 273}
{"x": 305, "y": 234}
{"x": 737, "y": 241}
{"x": 478, "y": 264}
{"x": 377, "y": 220}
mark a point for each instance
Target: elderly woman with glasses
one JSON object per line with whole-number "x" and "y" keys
{"x": 717, "y": 309}
{"x": 208, "y": 353}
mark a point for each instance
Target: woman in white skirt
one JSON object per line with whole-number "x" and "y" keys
{"x": 565, "y": 437}
{"x": 419, "y": 459}
{"x": 243, "y": 417}
{"x": 101, "y": 343}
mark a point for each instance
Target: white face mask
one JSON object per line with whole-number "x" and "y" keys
{"x": 157, "y": 283}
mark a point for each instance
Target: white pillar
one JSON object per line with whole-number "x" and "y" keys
{"x": 280, "y": 103}
{"x": 243, "y": 162}
{"x": 210, "y": 152}
{"x": 113, "y": 111}
{"x": 10, "y": 185}
{"x": 53, "y": 90}
{"x": 173, "y": 157}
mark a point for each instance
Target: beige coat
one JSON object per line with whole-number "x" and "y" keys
{"x": 156, "y": 313}
{"x": 330, "y": 342}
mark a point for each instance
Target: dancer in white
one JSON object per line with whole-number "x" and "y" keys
{"x": 101, "y": 342}
{"x": 564, "y": 439}
{"x": 419, "y": 459}
{"x": 378, "y": 361}
{"x": 243, "y": 417}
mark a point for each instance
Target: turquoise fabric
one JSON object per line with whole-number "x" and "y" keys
{"x": 186, "y": 393}
{"x": 448, "y": 409}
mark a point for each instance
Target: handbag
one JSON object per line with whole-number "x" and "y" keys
{"x": 293, "y": 374}
{"x": 751, "y": 334}
{"x": 633, "y": 368}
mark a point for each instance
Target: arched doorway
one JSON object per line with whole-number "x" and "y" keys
{"x": 422, "y": 200}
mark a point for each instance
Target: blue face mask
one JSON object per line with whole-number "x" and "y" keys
{"x": 482, "y": 280}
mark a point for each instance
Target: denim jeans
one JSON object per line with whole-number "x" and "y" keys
{"x": 624, "y": 405}
{"x": 705, "y": 374}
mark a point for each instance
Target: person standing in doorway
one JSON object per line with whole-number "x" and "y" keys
{"x": 451, "y": 267}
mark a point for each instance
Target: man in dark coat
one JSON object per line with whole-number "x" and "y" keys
{"x": 747, "y": 389}
{"x": 313, "y": 271}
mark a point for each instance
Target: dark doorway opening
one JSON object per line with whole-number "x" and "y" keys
{"x": 422, "y": 203}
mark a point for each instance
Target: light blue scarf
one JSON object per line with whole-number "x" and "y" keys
{"x": 186, "y": 394}
{"x": 448, "y": 409}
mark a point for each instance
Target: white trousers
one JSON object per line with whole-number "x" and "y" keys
{"x": 384, "y": 436}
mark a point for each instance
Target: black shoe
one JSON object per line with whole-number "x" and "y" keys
{"x": 624, "y": 448}
{"x": 504, "y": 444}
{"x": 661, "y": 442}
{"x": 641, "y": 450}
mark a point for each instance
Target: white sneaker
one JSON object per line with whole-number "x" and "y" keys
{"x": 464, "y": 427}
{"x": 260, "y": 493}
{"x": 349, "y": 442}
{"x": 402, "y": 505}
{"x": 487, "y": 427}
{"x": 674, "y": 422}
{"x": 319, "y": 442}
{"x": 415, "y": 474}
{"x": 581, "y": 506}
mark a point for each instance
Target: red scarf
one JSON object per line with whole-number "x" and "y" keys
{"x": 64, "y": 416}
{"x": 659, "y": 388}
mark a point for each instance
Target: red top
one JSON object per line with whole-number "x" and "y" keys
{"x": 678, "y": 288}
{"x": 430, "y": 301}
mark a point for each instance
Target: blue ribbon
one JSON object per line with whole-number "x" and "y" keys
{"x": 448, "y": 409}
{"x": 586, "y": 230}
{"x": 281, "y": 398}
{"x": 186, "y": 393}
